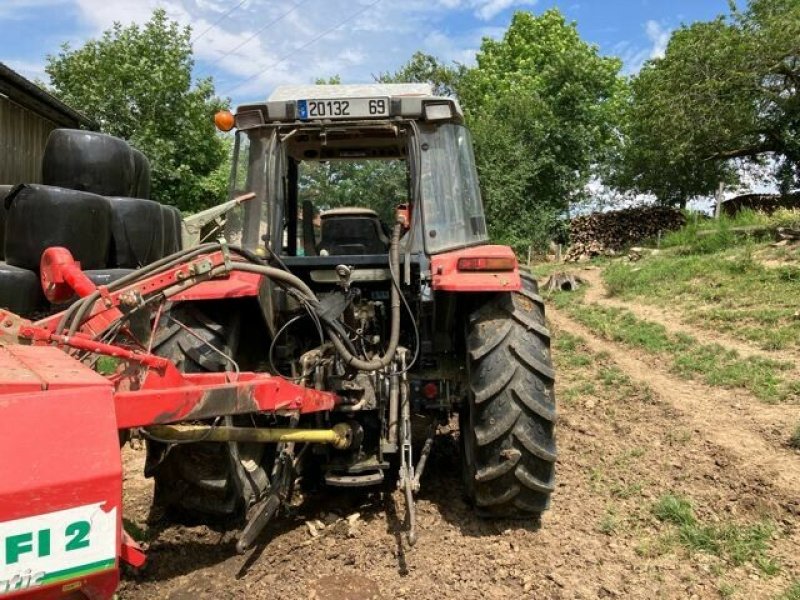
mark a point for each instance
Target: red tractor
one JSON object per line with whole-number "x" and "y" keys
{"x": 305, "y": 345}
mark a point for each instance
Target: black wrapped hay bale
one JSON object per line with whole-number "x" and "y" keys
{"x": 88, "y": 161}
{"x": 137, "y": 232}
{"x": 40, "y": 216}
{"x": 172, "y": 229}
{"x": 4, "y": 190}
{"x": 141, "y": 175}
{"x": 20, "y": 290}
{"x": 105, "y": 276}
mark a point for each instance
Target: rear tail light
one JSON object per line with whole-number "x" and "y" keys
{"x": 505, "y": 263}
{"x": 430, "y": 390}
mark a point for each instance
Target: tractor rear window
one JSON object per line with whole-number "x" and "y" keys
{"x": 376, "y": 184}
{"x": 449, "y": 184}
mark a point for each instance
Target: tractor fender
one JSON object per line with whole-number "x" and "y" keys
{"x": 448, "y": 276}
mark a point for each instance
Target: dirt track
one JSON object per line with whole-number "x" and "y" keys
{"x": 635, "y": 434}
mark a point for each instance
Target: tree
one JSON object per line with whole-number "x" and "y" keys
{"x": 424, "y": 68}
{"x": 136, "y": 82}
{"x": 377, "y": 184}
{"x": 725, "y": 89}
{"x": 542, "y": 105}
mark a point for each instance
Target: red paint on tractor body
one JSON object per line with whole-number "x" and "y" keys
{"x": 237, "y": 285}
{"x": 205, "y": 395}
{"x": 448, "y": 278}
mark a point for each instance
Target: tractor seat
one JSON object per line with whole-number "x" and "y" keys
{"x": 349, "y": 231}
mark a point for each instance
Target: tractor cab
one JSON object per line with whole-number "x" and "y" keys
{"x": 331, "y": 164}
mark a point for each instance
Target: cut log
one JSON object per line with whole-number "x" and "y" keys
{"x": 608, "y": 234}
{"x": 564, "y": 282}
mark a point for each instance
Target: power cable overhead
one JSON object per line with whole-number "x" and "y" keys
{"x": 303, "y": 47}
{"x": 258, "y": 31}
{"x": 217, "y": 22}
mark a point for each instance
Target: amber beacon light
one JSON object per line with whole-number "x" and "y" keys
{"x": 224, "y": 120}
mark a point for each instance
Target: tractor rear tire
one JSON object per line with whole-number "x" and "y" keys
{"x": 508, "y": 423}
{"x": 202, "y": 481}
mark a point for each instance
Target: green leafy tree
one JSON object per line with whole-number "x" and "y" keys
{"x": 542, "y": 105}
{"x": 726, "y": 89}
{"x": 377, "y": 184}
{"x": 424, "y": 68}
{"x": 136, "y": 82}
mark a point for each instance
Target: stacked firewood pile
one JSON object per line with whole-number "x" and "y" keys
{"x": 608, "y": 233}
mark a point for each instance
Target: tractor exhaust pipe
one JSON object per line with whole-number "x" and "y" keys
{"x": 340, "y": 436}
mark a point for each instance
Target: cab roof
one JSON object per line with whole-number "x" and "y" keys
{"x": 357, "y": 90}
{"x": 405, "y": 101}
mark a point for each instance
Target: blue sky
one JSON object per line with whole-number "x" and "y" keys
{"x": 295, "y": 41}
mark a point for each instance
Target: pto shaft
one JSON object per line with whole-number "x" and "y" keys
{"x": 340, "y": 436}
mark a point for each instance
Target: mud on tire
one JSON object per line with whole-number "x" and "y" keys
{"x": 198, "y": 481}
{"x": 507, "y": 427}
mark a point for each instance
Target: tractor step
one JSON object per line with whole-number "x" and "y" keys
{"x": 366, "y": 478}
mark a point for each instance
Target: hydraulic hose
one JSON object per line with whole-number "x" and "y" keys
{"x": 278, "y": 275}
{"x": 394, "y": 335}
{"x": 75, "y": 314}
{"x": 333, "y": 328}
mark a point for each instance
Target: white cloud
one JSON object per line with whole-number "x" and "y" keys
{"x": 659, "y": 36}
{"x": 488, "y": 9}
{"x": 633, "y": 57}
{"x": 295, "y": 41}
{"x": 485, "y": 10}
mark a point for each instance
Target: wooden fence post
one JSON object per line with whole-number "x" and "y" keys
{"x": 719, "y": 197}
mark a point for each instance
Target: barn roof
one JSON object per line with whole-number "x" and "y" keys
{"x": 20, "y": 90}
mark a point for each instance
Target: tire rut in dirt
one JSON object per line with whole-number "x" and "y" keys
{"x": 508, "y": 430}
{"x": 203, "y": 481}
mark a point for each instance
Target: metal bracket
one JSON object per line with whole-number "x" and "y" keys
{"x": 406, "y": 480}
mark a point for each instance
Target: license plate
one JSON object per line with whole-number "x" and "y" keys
{"x": 343, "y": 108}
{"x": 56, "y": 546}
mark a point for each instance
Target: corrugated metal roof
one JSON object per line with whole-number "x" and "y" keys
{"x": 29, "y": 95}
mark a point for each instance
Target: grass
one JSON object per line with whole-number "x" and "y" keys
{"x": 543, "y": 270}
{"x": 721, "y": 287}
{"x": 711, "y": 363}
{"x": 791, "y": 593}
{"x": 735, "y": 543}
{"x": 794, "y": 439}
{"x": 610, "y": 521}
{"x": 678, "y": 436}
{"x": 107, "y": 365}
{"x": 674, "y": 509}
{"x": 719, "y": 234}
{"x": 726, "y": 590}
{"x": 570, "y": 352}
